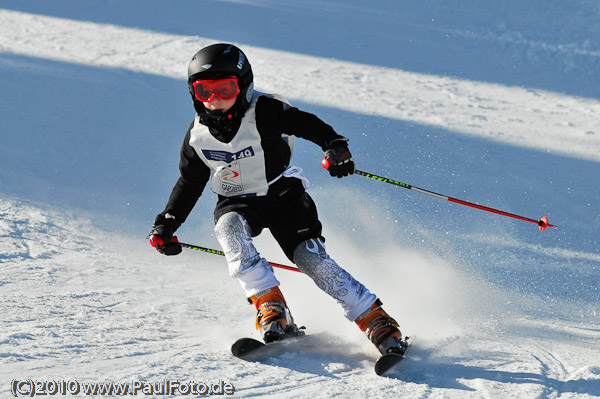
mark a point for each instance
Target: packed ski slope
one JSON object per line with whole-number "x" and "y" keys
{"x": 498, "y": 105}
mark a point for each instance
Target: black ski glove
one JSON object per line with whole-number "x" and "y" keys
{"x": 338, "y": 159}
{"x": 161, "y": 237}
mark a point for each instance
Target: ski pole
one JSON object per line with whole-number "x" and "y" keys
{"x": 217, "y": 252}
{"x": 542, "y": 223}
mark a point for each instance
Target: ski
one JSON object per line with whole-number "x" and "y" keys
{"x": 387, "y": 362}
{"x": 250, "y": 348}
{"x": 255, "y": 350}
{"x": 245, "y": 346}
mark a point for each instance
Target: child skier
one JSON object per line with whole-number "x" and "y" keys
{"x": 242, "y": 141}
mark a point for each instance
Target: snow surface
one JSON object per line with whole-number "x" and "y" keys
{"x": 497, "y": 104}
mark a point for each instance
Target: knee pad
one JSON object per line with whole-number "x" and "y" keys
{"x": 312, "y": 259}
{"x": 244, "y": 261}
{"x": 233, "y": 233}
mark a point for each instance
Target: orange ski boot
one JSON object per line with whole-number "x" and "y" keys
{"x": 381, "y": 329}
{"x": 273, "y": 319}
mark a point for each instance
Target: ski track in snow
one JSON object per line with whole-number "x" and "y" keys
{"x": 506, "y": 114}
{"x": 81, "y": 303}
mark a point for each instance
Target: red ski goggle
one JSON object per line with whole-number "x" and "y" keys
{"x": 225, "y": 89}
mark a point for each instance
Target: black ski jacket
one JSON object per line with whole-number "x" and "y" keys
{"x": 273, "y": 118}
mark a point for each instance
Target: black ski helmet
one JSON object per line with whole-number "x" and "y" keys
{"x": 219, "y": 61}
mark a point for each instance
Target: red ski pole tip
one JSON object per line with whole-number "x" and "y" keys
{"x": 325, "y": 163}
{"x": 543, "y": 223}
